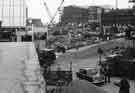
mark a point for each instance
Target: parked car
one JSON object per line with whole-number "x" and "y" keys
{"x": 92, "y": 75}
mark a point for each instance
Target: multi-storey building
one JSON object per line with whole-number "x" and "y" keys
{"x": 119, "y": 16}
{"x": 34, "y": 21}
{"x": 74, "y": 14}
{"x": 94, "y": 14}
{"x": 13, "y": 13}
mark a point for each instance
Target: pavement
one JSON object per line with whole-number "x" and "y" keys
{"x": 20, "y": 71}
{"x": 111, "y": 88}
{"x": 19, "y": 68}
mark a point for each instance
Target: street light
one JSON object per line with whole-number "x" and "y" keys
{"x": 79, "y": 35}
{"x": 100, "y": 52}
{"x": 99, "y": 12}
{"x": 32, "y": 31}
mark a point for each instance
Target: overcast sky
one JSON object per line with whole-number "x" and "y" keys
{"x": 37, "y": 9}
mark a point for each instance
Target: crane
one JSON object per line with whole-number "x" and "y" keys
{"x": 49, "y": 13}
{"x": 56, "y": 11}
{"x": 47, "y": 10}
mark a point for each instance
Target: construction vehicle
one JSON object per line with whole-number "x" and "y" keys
{"x": 46, "y": 57}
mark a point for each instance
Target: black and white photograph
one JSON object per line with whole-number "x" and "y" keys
{"x": 67, "y": 46}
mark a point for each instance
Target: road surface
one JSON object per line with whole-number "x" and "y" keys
{"x": 88, "y": 57}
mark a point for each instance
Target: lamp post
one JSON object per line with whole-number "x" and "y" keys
{"x": 71, "y": 66}
{"x": 100, "y": 52}
{"x": 79, "y": 35}
{"x": 32, "y": 31}
{"x": 99, "y": 12}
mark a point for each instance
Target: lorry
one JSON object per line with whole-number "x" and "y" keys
{"x": 92, "y": 75}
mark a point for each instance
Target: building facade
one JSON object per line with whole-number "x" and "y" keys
{"x": 34, "y": 21}
{"x": 78, "y": 14}
{"x": 74, "y": 14}
{"x": 93, "y": 14}
{"x": 13, "y": 13}
{"x": 119, "y": 16}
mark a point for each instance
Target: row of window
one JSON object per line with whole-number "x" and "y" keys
{"x": 12, "y": 2}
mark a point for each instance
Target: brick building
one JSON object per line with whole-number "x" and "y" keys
{"x": 74, "y": 14}
{"x": 119, "y": 16}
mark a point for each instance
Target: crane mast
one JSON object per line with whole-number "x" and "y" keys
{"x": 48, "y": 11}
